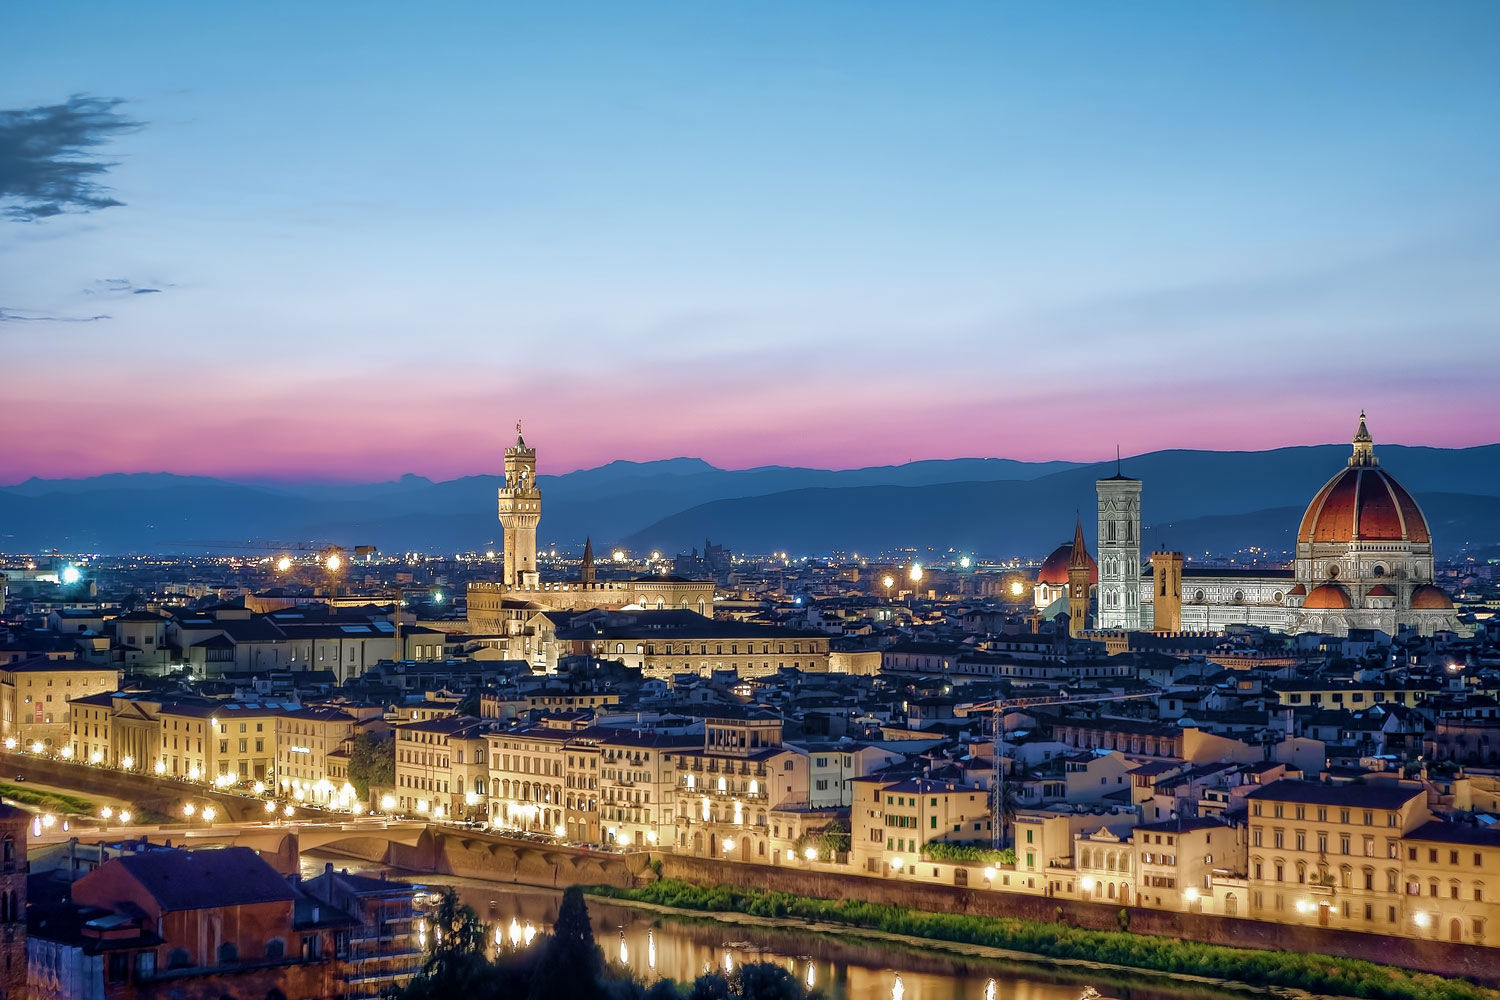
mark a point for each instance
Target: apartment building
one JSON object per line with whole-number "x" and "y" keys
{"x": 637, "y": 782}
{"x": 435, "y": 765}
{"x": 727, "y": 787}
{"x": 305, "y": 738}
{"x": 36, "y": 695}
{"x": 546, "y": 779}
{"x": 1332, "y": 855}
{"x": 891, "y": 821}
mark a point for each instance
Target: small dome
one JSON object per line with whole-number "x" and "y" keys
{"x": 1380, "y": 590}
{"x": 1430, "y": 598}
{"x": 1328, "y": 597}
{"x": 1298, "y": 591}
{"x": 1054, "y": 571}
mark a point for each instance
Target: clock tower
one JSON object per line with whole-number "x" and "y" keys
{"x": 520, "y": 508}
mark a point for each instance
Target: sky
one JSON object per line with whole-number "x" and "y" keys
{"x": 348, "y": 242}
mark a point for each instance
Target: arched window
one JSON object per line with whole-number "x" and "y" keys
{"x": 228, "y": 953}
{"x": 275, "y": 948}
{"x": 8, "y": 849}
{"x": 178, "y": 958}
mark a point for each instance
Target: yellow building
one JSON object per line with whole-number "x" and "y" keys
{"x": 1452, "y": 883}
{"x": 35, "y": 694}
{"x": 305, "y": 738}
{"x": 528, "y": 779}
{"x": 892, "y": 821}
{"x": 1333, "y": 855}
{"x": 727, "y": 787}
{"x": 1178, "y": 862}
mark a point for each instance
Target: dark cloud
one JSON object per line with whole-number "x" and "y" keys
{"x": 114, "y": 287}
{"x": 45, "y": 168}
{"x": 25, "y": 316}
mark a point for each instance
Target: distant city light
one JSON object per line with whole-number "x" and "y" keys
{"x": 333, "y": 563}
{"x": 70, "y": 575}
{"x": 916, "y": 573}
{"x": 965, "y": 562}
{"x": 283, "y": 564}
{"x": 619, "y": 555}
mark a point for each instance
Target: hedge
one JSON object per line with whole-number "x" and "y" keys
{"x": 1315, "y": 973}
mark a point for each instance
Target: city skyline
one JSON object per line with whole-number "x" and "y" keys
{"x": 807, "y": 236}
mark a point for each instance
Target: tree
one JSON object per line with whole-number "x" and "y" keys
{"x": 372, "y": 761}
{"x": 456, "y": 964}
{"x": 571, "y": 963}
{"x": 469, "y": 705}
{"x": 764, "y": 981}
{"x": 835, "y": 840}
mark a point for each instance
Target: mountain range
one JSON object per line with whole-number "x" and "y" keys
{"x": 1202, "y": 502}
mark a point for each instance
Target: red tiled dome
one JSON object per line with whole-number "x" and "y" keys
{"x": 1328, "y": 597}
{"x": 1298, "y": 591}
{"x": 1363, "y": 504}
{"x": 1054, "y": 571}
{"x": 1380, "y": 590}
{"x": 1430, "y": 598}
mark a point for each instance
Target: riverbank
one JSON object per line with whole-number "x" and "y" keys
{"x": 1220, "y": 966}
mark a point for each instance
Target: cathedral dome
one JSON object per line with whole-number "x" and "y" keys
{"x": 1363, "y": 503}
{"x": 1430, "y": 598}
{"x": 1328, "y": 597}
{"x": 1054, "y": 571}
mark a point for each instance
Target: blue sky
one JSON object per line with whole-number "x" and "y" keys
{"x": 831, "y": 234}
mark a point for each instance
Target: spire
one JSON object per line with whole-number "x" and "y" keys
{"x": 520, "y": 441}
{"x": 1080, "y": 555}
{"x": 586, "y": 573}
{"x": 1117, "y": 461}
{"x": 1364, "y": 445}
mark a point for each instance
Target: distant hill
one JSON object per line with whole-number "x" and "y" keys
{"x": 1239, "y": 489}
{"x": 1196, "y": 501}
{"x": 160, "y": 512}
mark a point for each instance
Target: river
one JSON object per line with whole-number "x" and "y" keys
{"x": 650, "y": 945}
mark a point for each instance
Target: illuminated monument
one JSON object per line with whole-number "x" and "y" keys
{"x": 503, "y": 607}
{"x": 1363, "y": 560}
{"x": 520, "y": 508}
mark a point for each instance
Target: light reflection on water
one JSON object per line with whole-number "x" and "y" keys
{"x": 650, "y": 947}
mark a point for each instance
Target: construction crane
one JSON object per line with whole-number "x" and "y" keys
{"x": 998, "y": 707}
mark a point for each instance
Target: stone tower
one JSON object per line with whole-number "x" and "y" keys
{"x": 1119, "y": 552}
{"x": 1079, "y": 572}
{"x": 1166, "y": 590}
{"x": 520, "y": 510}
{"x": 13, "y": 828}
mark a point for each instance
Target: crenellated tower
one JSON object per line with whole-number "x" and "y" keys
{"x": 520, "y": 508}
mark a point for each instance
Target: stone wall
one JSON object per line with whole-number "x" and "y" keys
{"x": 1472, "y": 962}
{"x": 162, "y": 794}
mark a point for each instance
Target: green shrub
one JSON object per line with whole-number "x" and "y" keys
{"x": 1314, "y": 973}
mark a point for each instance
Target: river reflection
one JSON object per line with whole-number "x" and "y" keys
{"x": 650, "y": 946}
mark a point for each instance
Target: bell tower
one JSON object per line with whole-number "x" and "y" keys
{"x": 520, "y": 508}
{"x": 1119, "y": 551}
{"x": 1079, "y": 574}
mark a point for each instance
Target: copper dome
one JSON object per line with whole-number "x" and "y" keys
{"x": 1363, "y": 503}
{"x": 1430, "y": 598}
{"x": 1328, "y": 597}
{"x": 1054, "y": 571}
